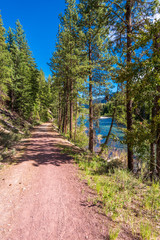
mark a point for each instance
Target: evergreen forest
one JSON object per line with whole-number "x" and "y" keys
{"x": 100, "y": 45}
{"x": 105, "y": 50}
{"x": 103, "y": 45}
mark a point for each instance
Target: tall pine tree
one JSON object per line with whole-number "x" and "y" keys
{"x": 5, "y": 61}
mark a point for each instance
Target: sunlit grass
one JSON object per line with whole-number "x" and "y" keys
{"x": 125, "y": 198}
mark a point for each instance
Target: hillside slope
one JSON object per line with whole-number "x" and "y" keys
{"x": 12, "y": 129}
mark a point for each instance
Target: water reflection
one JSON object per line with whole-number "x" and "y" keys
{"x": 103, "y": 129}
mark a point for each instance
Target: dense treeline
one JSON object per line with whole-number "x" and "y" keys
{"x": 103, "y": 41}
{"x": 23, "y": 88}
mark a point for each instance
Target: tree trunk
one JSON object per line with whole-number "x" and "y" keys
{"x": 12, "y": 100}
{"x": 152, "y": 160}
{"x": 128, "y": 92}
{"x": 152, "y": 147}
{"x": 66, "y": 106}
{"x": 75, "y": 130}
{"x": 158, "y": 147}
{"x": 157, "y": 52}
{"x": 71, "y": 109}
{"x": 63, "y": 119}
{"x": 109, "y": 133}
{"x": 59, "y": 114}
{"x": 91, "y": 138}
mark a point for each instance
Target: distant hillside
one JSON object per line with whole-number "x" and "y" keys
{"x": 99, "y": 100}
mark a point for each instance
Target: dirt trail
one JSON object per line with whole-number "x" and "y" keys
{"x": 42, "y": 198}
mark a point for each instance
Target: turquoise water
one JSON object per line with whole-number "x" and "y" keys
{"x": 103, "y": 129}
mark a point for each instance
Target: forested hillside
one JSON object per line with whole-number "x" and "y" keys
{"x": 23, "y": 88}
{"x": 25, "y": 94}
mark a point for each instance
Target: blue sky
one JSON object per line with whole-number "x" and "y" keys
{"x": 40, "y": 23}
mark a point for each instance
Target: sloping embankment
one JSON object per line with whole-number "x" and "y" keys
{"x": 12, "y": 129}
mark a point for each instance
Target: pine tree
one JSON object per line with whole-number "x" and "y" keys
{"x": 156, "y": 61}
{"x": 12, "y": 48}
{"x": 67, "y": 66}
{"x": 125, "y": 21}
{"x": 25, "y": 74}
{"x": 95, "y": 36}
{"x": 5, "y": 61}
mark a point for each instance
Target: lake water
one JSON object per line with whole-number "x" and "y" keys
{"x": 103, "y": 129}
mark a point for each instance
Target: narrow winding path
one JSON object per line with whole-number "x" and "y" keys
{"x": 42, "y": 198}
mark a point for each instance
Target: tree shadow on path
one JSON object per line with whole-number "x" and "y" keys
{"x": 42, "y": 147}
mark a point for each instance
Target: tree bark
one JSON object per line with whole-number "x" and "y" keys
{"x": 63, "y": 119}
{"x": 91, "y": 138}
{"x": 71, "y": 109}
{"x": 12, "y": 100}
{"x": 128, "y": 92}
{"x": 157, "y": 52}
{"x": 152, "y": 147}
{"x": 66, "y": 104}
{"x": 158, "y": 147}
{"x": 75, "y": 130}
{"x": 59, "y": 114}
{"x": 109, "y": 133}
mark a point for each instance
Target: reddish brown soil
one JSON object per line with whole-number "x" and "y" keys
{"x": 42, "y": 198}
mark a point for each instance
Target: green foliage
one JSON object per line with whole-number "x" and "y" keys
{"x": 145, "y": 231}
{"x": 81, "y": 138}
{"x": 5, "y": 61}
{"x": 22, "y": 87}
{"x": 44, "y": 99}
{"x": 124, "y": 197}
{"x": 152, "y": 198}
{"x": 113, "y": 234}
{"x": 106, "y": 109}
{"x": 9, "y": 139}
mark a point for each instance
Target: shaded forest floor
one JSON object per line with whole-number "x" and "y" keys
{"x": 42, "y": 196}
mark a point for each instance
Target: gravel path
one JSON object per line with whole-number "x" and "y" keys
{"x": 42, "y": 198}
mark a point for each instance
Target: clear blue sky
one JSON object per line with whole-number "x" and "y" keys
{"x": 40, "y": 23}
